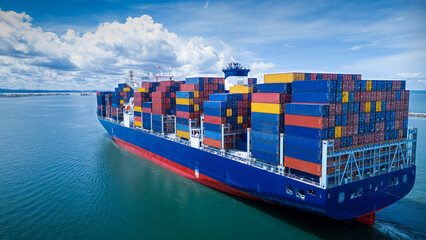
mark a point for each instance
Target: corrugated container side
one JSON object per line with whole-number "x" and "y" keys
{"x": 303, "y": 166}
{"x": 265, "y": 137}
{"x": 303, "y": 154}
{"x": 265, "y": 146}
{"x": 313, "y": 97}
{"x": 267, "y": 127}
{"x": 310, "y": 144}
{"x": 304, "y": 132}
{"x": 315, "y": 86}
{"x": 274, "y": 88}
{"x": 265, "y": 156}
{"x": 317, "y": 110}
{"x": 268, "y": 118}
{"x": 306, "y": 121}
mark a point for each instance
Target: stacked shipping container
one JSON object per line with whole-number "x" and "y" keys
{"x": 190, "y": 102}
{"x": 144, "y": 94}
{"x": 267, "y": 109}
{"x": 164, "y": 104}
{"x": 232, "y": 110}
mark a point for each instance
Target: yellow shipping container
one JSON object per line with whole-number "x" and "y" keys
{"x": 229, "y": 112}
{"x": 367, "y": 107}
{"x": 240, "y": 119}
{"x": 273, "y": 108}
{"x": 337, "y": 132}
{"x": 369, "y": 85}
{"x": 241, "y": 89}
{"x": 138, "y": 109}
{"x": 184, "y": 101}
{"x": 126, "y": 89}
{"x": 196, "y": 107}
{"x": 196, "y": 94}
{"x": 137, "y": 123}
{"x": 121, "y": 101}
{"x": 145, "y": 90}
{"x": 345, "y": 96}
{"x": 182, "y": 134}
{"x": 378, "y": 106}
{"x": 283, "y": 77}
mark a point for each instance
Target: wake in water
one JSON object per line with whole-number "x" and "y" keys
{"x": 396, "y": 231}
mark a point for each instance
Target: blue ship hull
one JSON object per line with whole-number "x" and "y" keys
{"x": 247, "y": 181}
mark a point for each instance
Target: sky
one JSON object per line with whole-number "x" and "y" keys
{"x": 91, "y": 45}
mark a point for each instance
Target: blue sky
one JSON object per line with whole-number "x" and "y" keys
{"x": 92, "y": 44}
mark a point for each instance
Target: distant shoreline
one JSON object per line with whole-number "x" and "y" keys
{"x": 418, "y": 115}
{"x": 12, "y": 95}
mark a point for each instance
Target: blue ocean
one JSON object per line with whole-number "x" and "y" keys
{"x": 62, "y": 177}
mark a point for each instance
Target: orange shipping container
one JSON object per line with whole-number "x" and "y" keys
{"x": 212, "y": 142}
{"x": 303, "y": 166}
{"x": 306, "y": 121}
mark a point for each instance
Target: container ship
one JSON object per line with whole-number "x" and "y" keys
{"x": 329, "y": 144}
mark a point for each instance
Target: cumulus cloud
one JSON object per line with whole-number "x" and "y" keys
{"x": 33, "y": 58}
{"x": 409, "y": 75}
{"x": 258, "y": 69}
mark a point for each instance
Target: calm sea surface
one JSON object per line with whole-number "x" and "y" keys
{"x": 61, "y": 177}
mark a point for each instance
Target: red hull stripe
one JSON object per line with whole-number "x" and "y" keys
{"x": 184, "y": 171}
{"x": 369, "y": 218}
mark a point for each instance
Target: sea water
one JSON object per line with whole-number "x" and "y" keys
{"x": 62, "y": 177}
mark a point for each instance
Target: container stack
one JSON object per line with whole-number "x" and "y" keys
{"x": 186, "y": 112}
{"x": 144, "y": 94}
{"x": 101, "y": 102}
{"x": 306, "y": 125}
{"x": 163, "y": 106}
{"x": 108, "y": 101}
{"x": 267, "y": 109}
{"x": 349, "y": 111}
{"x": 203, "y": 87}
{"x": 230, "y": 110}
{"x": 120, "y": 97}
{"x": 146, "y": 115}
{"x": 190, "y": 102}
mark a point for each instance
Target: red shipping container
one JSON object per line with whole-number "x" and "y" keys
{"x": 331, "y": 121}
{"x": 306, "y": 121}
{"x": 159, "y": 111}
{"x": 373, "y": 96}
{"x": 344, "y": 131}
{"x": 355, "y": 140}
{"x": 367, "y": 117}
{"x": 337, "y": 143}
{"x": 352, "y": 86}
{"x": 357, "y": 96}
{"x": 355, "y": 130}
{"x": 303, "y": 166}
{"x": 139, "y": 119}
{"x": 212, "y": 142}
{"x": 146, "y": 110}
{"x": 267, "y": 98}
{"x": 332, "y": 109}
{"x": 167, "y": 83}
{"x": 338, "y": 108}
{"x": 214, "y": 120}
{"x": 187, "y": 115}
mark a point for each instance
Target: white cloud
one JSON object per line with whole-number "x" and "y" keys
{"x": 422, "y": 81}
{"x": 97, "y": 60}
{"x": 409, "y": 75}
{"x": 206, "y": 5}
{"x": 358, "y": 47}
{"x": 258, "y": 69}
